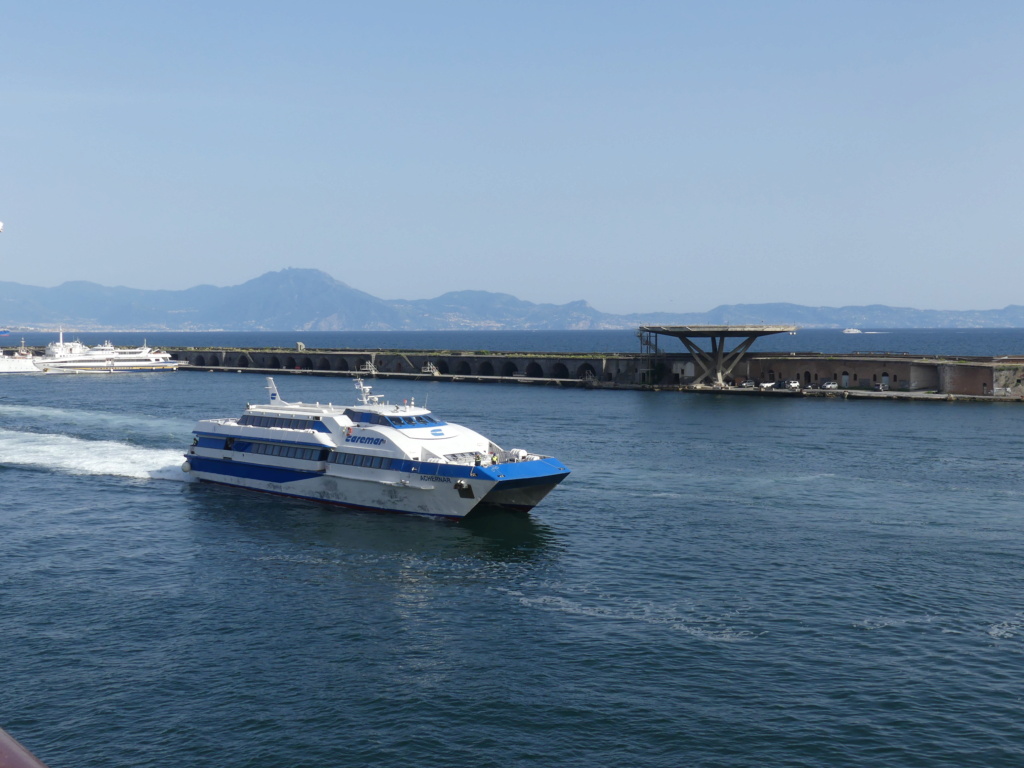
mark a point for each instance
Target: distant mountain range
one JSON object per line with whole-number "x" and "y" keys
{"x": 311, "y": 300}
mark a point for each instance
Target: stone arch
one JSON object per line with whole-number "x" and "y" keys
{"x": 442, "y": 367}
{"x": 509, "y": 369}
{"x": 324, "y": 364}
{"x": 275, "y": 362}
{"x": 534, "y": 371}
{"x": 559, "y": 371}
{"x": 201, "y": 360}
{"x": 462, "y": 369}
{"x": 486, "y": 368}
{"x": 341, "y": 364}
{"x": 586, "y": 371}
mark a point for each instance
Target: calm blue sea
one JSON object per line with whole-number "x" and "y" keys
{"x": 721, "y": 582}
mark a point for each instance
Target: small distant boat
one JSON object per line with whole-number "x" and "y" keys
{"x": 21, "y": 361}
{"x": 852, "y": 330}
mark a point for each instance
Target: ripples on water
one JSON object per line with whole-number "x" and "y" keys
{"x": 721, "y": 582}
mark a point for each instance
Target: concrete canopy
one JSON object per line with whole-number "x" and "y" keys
{"x": 715, "y": 365}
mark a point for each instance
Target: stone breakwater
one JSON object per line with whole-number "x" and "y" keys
{"x": 877, "y": 375}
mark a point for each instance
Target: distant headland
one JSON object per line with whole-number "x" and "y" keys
{"x": 312, "y": 300}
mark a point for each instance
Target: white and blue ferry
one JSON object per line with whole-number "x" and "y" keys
{"x": 372, "y": 455}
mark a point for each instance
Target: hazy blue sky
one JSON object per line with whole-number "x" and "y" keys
{"x": 640, "y": 155}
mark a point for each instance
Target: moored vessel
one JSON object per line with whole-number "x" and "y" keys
{"x": 20, "y": 361}
{"x": 372, "y": 455}
{"x": 75, "y": 357}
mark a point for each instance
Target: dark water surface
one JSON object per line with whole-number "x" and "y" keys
{"x": 721, "y": 582}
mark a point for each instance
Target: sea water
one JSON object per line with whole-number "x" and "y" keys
{"x": 721, "y": 582}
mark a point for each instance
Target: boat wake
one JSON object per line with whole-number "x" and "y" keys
{"x": 91, "y": 421}
{"x": 75, "y": 456}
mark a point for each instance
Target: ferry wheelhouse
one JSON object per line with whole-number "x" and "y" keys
{"x": 372, "y": 455}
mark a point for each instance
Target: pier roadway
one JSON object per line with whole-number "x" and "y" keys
{"x": 873, "y": 374}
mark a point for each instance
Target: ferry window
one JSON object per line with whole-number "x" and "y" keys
{"x": 409, "y": 420}
{"x": 421, "y": 420}
{"x": 350, "y": 458}
{"x": 376, "y": 462}
{"x": 385, "y": 464}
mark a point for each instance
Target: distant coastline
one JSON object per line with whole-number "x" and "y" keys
{"x": 307, "y": 300}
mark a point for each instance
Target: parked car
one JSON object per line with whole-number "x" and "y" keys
{"x": 881, "y": 387}
{"x": 767, "y": 385}
{"x": 829, "y": 385}
{"x": 747, "y": 384}
{"x": 792, "y": 384}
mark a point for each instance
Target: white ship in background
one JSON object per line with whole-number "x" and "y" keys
{"x": 21, "y": 361}
{"x": 75, "y": 357}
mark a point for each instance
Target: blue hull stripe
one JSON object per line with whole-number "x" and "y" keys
{"x": 506, "y": 476}
{"x": 249, "y": 471}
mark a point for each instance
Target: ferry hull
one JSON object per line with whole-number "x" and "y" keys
{"x": 420, "y": 491}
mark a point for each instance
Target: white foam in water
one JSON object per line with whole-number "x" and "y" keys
{"x": 88, "y": 457}
{"x": 134, "y": 422}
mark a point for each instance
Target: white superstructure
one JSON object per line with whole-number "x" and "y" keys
{"x": 75, "y": 357}
{"x": 20, "y": 361}
{"x": 372, "y": 455}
